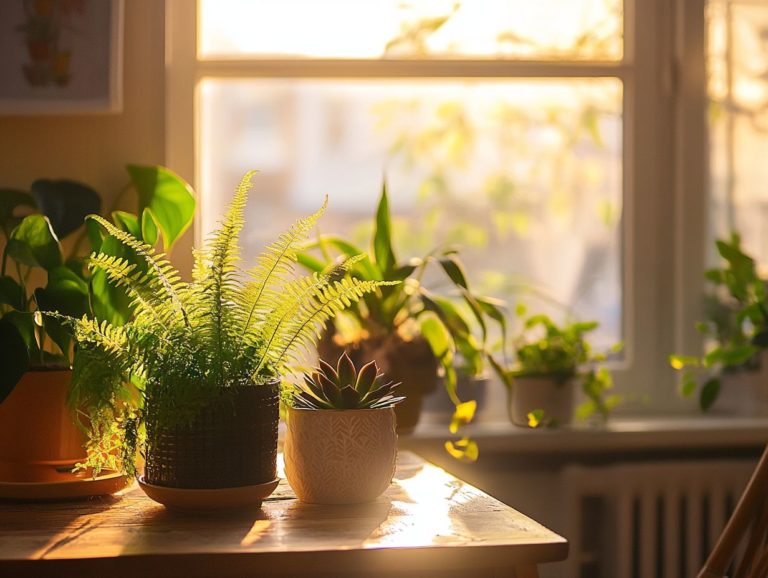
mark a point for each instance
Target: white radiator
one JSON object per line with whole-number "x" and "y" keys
{"x": 648, "y": 520}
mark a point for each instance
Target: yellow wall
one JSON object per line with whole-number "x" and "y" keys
{"x": 95, "y": 148}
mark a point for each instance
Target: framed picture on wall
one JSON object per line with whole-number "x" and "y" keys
{"x": 60, "y": 56}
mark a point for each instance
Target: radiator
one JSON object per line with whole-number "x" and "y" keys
{"x": 648, "y": 520}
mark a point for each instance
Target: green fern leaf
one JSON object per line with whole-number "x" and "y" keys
{"x": 275, "y": 264}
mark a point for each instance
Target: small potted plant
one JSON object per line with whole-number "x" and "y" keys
{"x": 732, "y": 374}
{"x": 413, "y": 334}
{"x": 341, "y": 445}
{"x": 550, "y": 361}
{"x": 199, "y": 362}
{"x": 36, "y": 426}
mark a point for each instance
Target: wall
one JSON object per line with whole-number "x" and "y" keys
{"x": 95, "y": 148}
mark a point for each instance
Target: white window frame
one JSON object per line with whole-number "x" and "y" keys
{"x": 664, "y": 162}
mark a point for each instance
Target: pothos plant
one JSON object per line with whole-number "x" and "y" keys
{"x": 409, "y": 309}
{"x": 736, "y": 328}
{"x": 35, "y": 275}
{"x": 542, "y": 348}
{"x": 188, "y": 340}
{"x": 33, "y": 225}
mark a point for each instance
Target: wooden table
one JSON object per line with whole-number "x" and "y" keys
{"x": 427, "y": 524}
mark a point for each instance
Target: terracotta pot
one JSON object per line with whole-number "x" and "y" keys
{"x": 36, "y": 426}
{"x": 340, "y": 456}
{"x": 231, "y": 443}
{"x": 552, "y": 395}
{"x": 409, "y": 362}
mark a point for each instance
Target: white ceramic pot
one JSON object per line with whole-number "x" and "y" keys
{"x": 340, "y": 456}
{"x": 744, "y": 392}
{"x": 553, "y": 396}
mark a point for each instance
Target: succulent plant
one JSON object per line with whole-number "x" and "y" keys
{"x": 345, "y": 387}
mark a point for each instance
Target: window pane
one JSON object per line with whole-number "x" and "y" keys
{"x": 524, "y": 175}
{"x": 544, "y": 29}
{"x": 738, "y": 88}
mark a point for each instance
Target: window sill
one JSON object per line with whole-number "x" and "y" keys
{"x": 621, "y": 434}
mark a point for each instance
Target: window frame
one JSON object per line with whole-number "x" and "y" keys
{"x": 664, "y": 162}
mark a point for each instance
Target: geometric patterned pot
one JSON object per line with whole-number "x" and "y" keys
{"x": 340, "y": 456}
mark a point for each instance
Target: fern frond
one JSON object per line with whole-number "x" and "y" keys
{"x": 143, "y": 290}
{"x": 275, "y": 264}
{"x": 300, "y": 330}
{"x": 294, "y": 294}
{"x": 168, "y": 277}
{"x": 218, "y": 280}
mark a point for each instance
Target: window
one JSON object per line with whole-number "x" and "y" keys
{"x": 546, "y": 138}
{"x": 738, "y": 121}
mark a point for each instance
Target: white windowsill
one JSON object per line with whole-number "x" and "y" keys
{"x": 620, "y": 434}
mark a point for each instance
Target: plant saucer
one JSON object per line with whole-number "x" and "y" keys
{"x": 209, "y": 499}
{"x": 34, "y": 482}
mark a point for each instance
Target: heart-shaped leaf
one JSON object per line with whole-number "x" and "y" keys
{"x": 14, "y": 358}
{"x": 34, "y": 243}
{"x": 170, "y": 199}
{"x": 11, "y": 293}
{"x": 66, "y": 203}
{"x": 10, "y": 201}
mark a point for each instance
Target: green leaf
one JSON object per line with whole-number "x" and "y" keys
{"x": 126, "y": 221}
{"x": 11, "y": 293}
{"x": 382, "y": 237}
{"x": 535, "y": 418}
{"x": 709, "y": 393}
{"x": 455, "y": 270}
{"x": 34, "y": 243}
{"x": 110, "y": 303}
{"x": 148, "y": 227}
{"x": 494, "y": 309}
{"x": 168, "y": 196}
{"x": 14, "y": 357}
{"x": 65, "y": 293}
{"x": 10, "y": 200}
{"x": 688, "y": 384}
{"x": 24, "y": 322}
{"x": 95, "y": 234}
{"x": 680, "y": 361}
{"x": 447, "y": 311}
{"x": 66, "y": 203}
{"x": 437, "y": 335}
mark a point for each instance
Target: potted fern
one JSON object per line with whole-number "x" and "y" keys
{"x": 198, "y": 365}
{"x": 550, "y": 362}
{"x": 341, "y": 445}
{"x": 37, "y": 275}
{"x": 414, "y": 334}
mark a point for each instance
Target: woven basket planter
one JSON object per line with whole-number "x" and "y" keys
{"x": 232, "y": 442}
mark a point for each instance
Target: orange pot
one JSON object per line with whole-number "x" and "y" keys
{"x": 36, "y": 426}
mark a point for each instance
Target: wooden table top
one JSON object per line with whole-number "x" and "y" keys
{"x": 427, "y": 521}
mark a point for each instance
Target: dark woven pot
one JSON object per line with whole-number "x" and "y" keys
{"x": 232, "y": 442}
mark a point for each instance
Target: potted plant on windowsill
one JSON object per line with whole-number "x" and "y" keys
{"x": 412, "y": 333}
{"x": 36, "y": 426}
{"x": 731, "y": 376}
{"x": 198, "y": 364}
{"x": 550, "y": 362}
{"x": 341, "y": 444}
